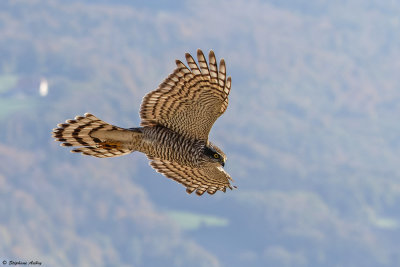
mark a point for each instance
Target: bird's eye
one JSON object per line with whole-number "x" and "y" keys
{"x": 216, "y": 156}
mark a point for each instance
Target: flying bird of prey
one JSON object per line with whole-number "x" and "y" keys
{"x": 176, "y": 119}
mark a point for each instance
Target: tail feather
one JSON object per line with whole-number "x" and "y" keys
{"x": 95, "y": 137}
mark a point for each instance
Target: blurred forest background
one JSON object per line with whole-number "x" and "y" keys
{"x": 311, "y": 133}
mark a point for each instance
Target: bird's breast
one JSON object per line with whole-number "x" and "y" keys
{"x": 163, "y": 143}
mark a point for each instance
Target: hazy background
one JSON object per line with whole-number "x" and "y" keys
{"x": 311, "y": 133}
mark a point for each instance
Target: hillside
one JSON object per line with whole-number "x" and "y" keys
{"x": 311, "y": 134}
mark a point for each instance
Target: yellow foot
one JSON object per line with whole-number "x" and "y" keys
{"x": 110, "y": 145}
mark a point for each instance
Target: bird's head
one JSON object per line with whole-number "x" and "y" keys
{"x": 214, "y": 154}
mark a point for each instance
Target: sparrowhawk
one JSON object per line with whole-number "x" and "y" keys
{"x": 176, "y": 119}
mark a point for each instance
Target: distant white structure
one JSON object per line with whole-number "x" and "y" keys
{"x": 43, "y": 87}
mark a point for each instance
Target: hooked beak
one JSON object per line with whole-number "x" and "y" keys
{"x": 223, "y": 163}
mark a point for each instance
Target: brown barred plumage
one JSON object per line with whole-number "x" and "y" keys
{"x": 176, "y": 119}
{"x": 96, "y": 137}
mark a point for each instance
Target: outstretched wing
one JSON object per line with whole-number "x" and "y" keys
{"x": 204, "y": 179}
{"x": 189, "y": 101}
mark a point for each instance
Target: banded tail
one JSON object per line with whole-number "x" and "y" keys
{"x": 97, "y": 138}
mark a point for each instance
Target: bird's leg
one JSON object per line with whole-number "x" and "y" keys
{"x": 110, "y": 144}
